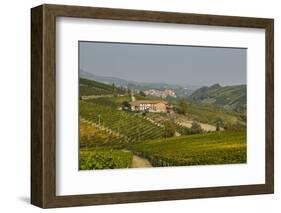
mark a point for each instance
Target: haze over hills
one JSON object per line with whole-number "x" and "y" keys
{"x": 104, "y": 79}
{"x": 181, "y": 90}
{"x": 230, "y": 97}
{"x": 91, "y": 87}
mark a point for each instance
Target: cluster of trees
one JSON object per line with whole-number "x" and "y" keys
{"x": 194, "y": 129}
{"x": 141, "y": 93}
{"x": 182, "y": 107}
{"x": 170, "y": 129}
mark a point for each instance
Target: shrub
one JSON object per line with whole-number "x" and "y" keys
{"x": 169, "y": 129}
{"x": 196, "y": 128}
{"x": 182, "y": 107}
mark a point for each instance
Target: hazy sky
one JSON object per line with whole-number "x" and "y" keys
{"x": 185, "y": 65}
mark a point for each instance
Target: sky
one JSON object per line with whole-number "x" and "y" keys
{"x": 172, "y": 64}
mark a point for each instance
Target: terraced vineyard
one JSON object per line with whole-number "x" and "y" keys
{"x": 226, "y": 147}
{"x": 104, "y": 158}
{"x": 131, "y": 125}
{"x": 90, "y": 87}
{"x": 111, "y": 136}
{"x": 92, "y": 136}
{"x": 113, "y": 102}
{"x": 162, "y": 117}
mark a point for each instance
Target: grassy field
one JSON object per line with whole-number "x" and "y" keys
{"x": 226, "y": 147}
{"x": 104, "y": 158}
{"x": 210, "y": 114}
{"x": 90, "y": 87}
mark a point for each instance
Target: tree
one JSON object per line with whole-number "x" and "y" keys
{"x": 141, "y": 93}
{"x": 170, "y": 129}
{"x": 196, "y": 128}
{"x": 114, "y": 90}
{"x": 125, "y": 104}
{"x": 182, "y": 107}
{"x": 219, "y": 124}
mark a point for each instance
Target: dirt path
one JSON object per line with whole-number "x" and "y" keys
{"x": 139, "y": 162}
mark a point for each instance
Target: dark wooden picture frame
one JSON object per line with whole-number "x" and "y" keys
{"x": 43, "y": 105}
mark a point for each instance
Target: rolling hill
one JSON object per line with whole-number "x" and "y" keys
{"x": 226, "y": 147}
{"x": 230, "y": 97}
{"x": 181, "y": 90}
{"x": 91, "y": 87}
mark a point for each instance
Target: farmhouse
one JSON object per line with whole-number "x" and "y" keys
{"x": 150, "y": 105}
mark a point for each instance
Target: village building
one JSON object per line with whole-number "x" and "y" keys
{"x": 160, "y": 93}
{"x": 150, "y": 106}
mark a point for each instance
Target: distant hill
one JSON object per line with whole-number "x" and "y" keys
{"x": 104, "y": 79}
{"x": 230, "y": 97}
{"x": 181, "y": 90}
{"x": 90, "y": 87}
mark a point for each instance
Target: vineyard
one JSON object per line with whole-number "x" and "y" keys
{"x": 92, "y": 135}
{"x": 90, "y": 87}
{"x": 226, "y": 147}
{"x": 161, "y": 118}
{"x": 210, "y": 114}
{"x": 113, "y": 102}
{"x": 133, "y": 126}
{"x": 104, "y": 158}
{"x": 112, "y": 136}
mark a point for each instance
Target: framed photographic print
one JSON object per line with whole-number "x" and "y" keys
{"x": 137, "y": 106}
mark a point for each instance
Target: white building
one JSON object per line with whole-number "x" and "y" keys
{"x": 150, "y": 105}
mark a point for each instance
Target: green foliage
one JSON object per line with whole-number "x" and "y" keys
{"x": 169, "y": 129}
{"x": 210, "y": 114}
{"x": 196, "y": 128}
{"x": 219, "y": 124}
{"x": 125, "y": 104}
{"x": 217, "y": 127}
{"x": 163, "y": 118}
{"x": 106, "y": 129}
{"x": 230, "y": 97}
{"x": 146, "y": 97}
{"x": 141, "y": 93}
{"x": 113, "y": 102}
{"x": 235, "y": 126}
{"x": 182, "y": 107}
{"x": 104, "y": 159}
{"x": 225, "y": 147}
{"x": 135, "y": 127}
{"x": 90, "y": 87}
{"x": 91, "y": 136}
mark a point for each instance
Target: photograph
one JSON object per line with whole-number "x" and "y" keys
{"x": 161, "y": 105}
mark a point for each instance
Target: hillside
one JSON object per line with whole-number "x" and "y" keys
{"x": 181, "y": 90}
{"x": 230, "y": 97}
{"x": 226, "y": 147}
{"x": 104, "y": 79}
{"x": 128, "y": 126}
{"x": 91, "y": 87}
